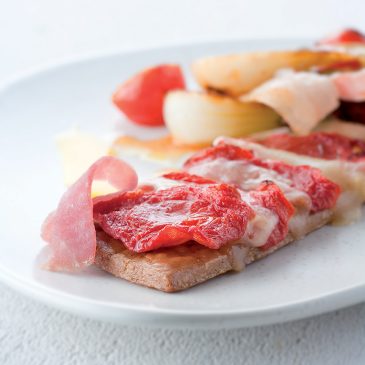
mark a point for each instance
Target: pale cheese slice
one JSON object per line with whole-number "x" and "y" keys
{"x": 78, "y": 151}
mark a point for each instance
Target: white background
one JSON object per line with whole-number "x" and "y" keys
{"x": 38, "y": 32}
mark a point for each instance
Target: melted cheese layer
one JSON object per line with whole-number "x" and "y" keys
{"x": 258, "y": 229}
{"x": 350, "y": 176}
{"x": 247, "y": 176}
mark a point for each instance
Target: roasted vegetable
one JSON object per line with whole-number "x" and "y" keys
{"x": 239, "y": 73}
{"x": 198, "y": 118}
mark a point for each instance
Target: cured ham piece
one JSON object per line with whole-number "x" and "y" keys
{"x": 302, "y": 99}
{"x": 69, "y": 230}
{"x": 350, "y": 85}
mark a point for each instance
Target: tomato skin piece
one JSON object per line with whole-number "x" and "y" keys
{"x": 226, "y": 151}
{"x": 323, "y": 192}
{"x": 329, "y": 146}
{"x": 271, "y": 197}
{"x": 340, "y": 66}
{"x": 210, "y": 214}
{"x": 345, "y": 36}
{"x": 184, "y": 176}
{"x": 141, "y": 97}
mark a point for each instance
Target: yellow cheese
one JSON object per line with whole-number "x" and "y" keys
{"x": 78, "y": 151}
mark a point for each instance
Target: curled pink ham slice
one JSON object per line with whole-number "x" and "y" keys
{"x": 69, "y": 230}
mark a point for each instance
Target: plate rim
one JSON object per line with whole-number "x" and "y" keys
{"x": 141, "y": 315}
{"x": 45, "y": 67}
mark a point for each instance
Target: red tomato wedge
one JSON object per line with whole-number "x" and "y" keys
{"x": 345, "y": 36}
{"x": 141, "y": 97}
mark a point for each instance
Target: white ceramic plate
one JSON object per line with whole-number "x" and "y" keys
{"x": 323, "y": 272}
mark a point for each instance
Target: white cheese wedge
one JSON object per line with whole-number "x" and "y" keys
{"x": 78, "y": 151}
{"x": 259, "y": 229}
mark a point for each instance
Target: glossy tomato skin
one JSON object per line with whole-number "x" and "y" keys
{"x": 345, "y": 36}
{"x": 200, "y": 210}
{"x": 323, "y": 192}
{"x": 141, "y": 97}
{"x": 329, "y": 146}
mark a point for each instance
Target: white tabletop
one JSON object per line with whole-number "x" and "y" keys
{"x": 37, "y": 32}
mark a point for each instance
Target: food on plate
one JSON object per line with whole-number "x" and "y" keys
{"x": 302, "y": 99}
{"x": 345, "y": 36}
{"x": 193, "y": 120}
{"x": 305, "y": 99}
{"x": 341, "y": 127}
{"x": 245, "y": 94}
{"x": 339, "y": 158}
{"x": 163, "y": 149}
{"x": 328, "y": 146}
{"x": 70, "y": 230}
{"x": 198, "y": 118}
{"x": 225, "y": 209}
{"x": 141, "y": 97}
{"x": 348, "y": 41}
{"x": 304, "y": 187}
{"x": 354, "y": 111}
{"x": 78, "y": 150}
{"x": 341, "y": 66}
{"x": 240, "y": 73}
{"x": 351, "y": 85}
{"x": 270, "y": 155}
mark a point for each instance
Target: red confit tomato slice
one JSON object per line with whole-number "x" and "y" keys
{"x": 141, "y": 97}
{"x": 269, "y": 195}
{"x": 345, "y": 36}
{"x": 329, "y": 146}
{"x": 323, "y": 192}
{"x": 210, "y": 214}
